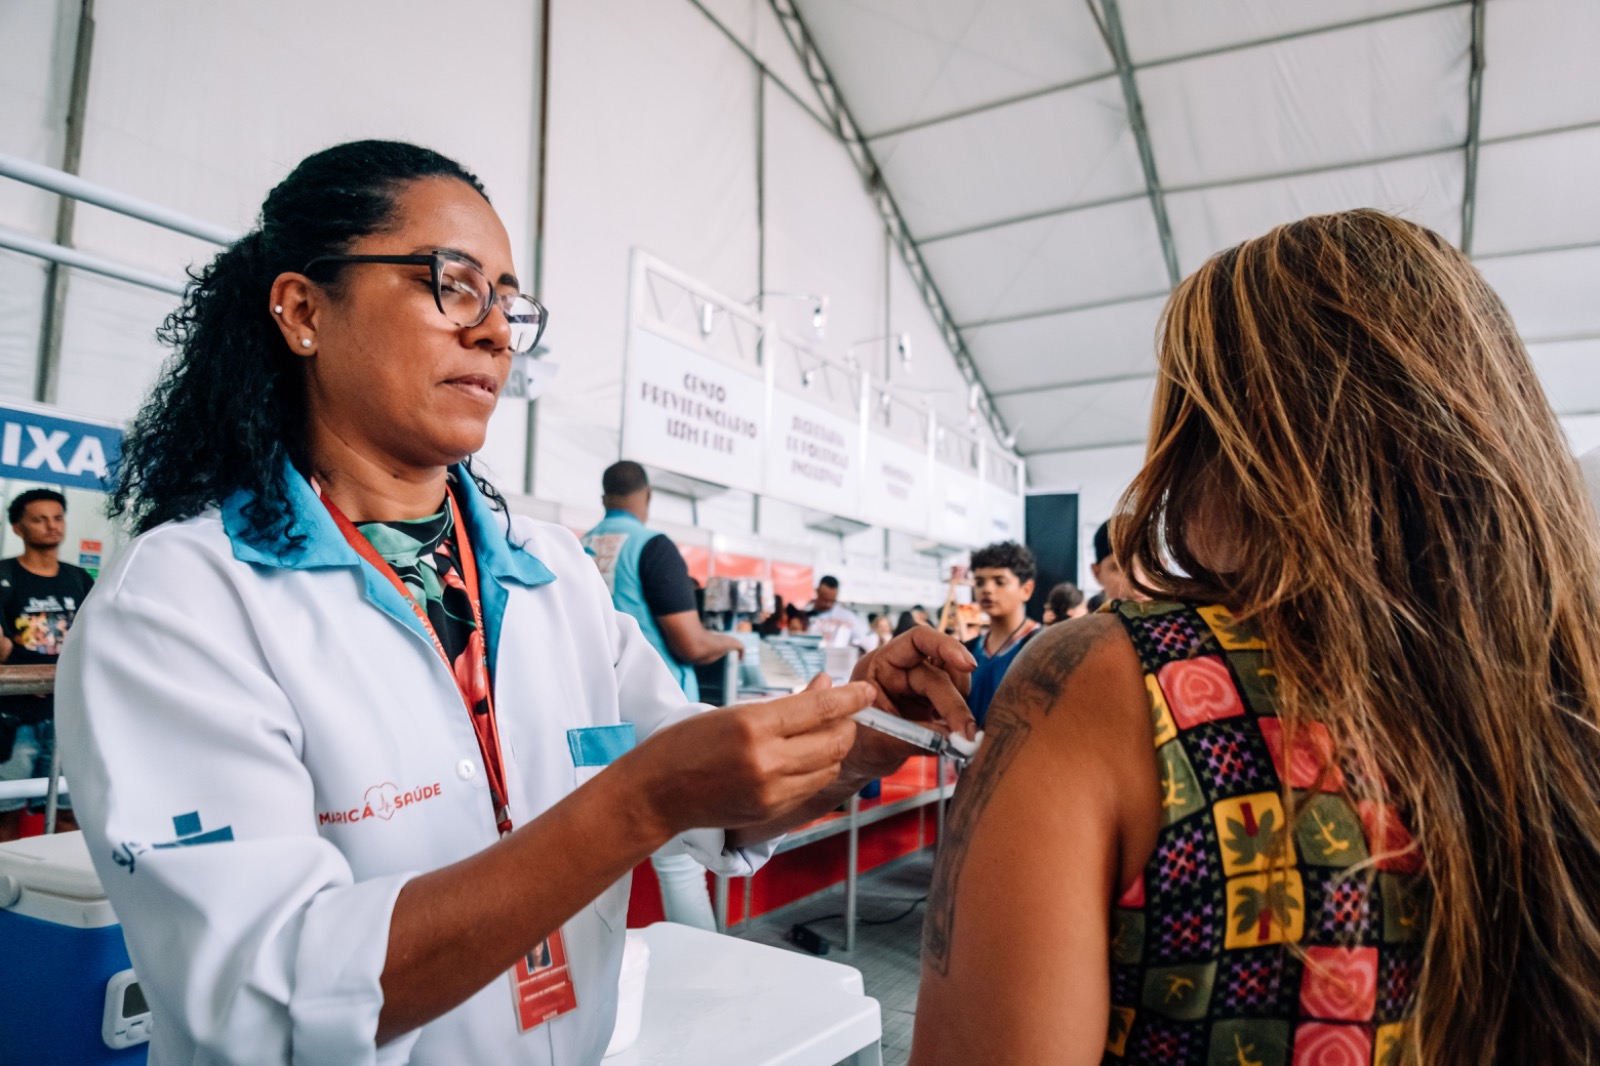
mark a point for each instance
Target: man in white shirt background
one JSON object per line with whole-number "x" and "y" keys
{"x": 836, "y": 624}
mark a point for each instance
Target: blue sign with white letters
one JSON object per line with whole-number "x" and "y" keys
{"x": 35, "y": 446}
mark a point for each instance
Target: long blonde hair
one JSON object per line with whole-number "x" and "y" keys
{"x": 1414, "y": 542}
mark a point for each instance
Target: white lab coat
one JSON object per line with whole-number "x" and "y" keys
{"x": 207, "y": 678}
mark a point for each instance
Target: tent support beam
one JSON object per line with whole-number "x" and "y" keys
{"x": 1138, "y": 442}
{"x": 1109, "y": 19}
{"x": 1484, "y": 257}
{"x": 1252, "y": 179}
{"x": 1085, "y": 383}
{"x": 1051, "y": 312}
{"x": 47, "y": 373}
{"x": 1032, "y": 216}
{"x": 1181, "y": 57}
{"x": 845, "y": 128}
{"x": 1469, "y": 190}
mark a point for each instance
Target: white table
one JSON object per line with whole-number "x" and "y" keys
{"x": 714, "y": 1000}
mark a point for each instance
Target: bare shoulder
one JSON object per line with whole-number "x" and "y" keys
{"x": 1069, "y": 727}
{"x": 1065, "y": 659}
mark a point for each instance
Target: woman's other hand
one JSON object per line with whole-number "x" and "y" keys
{"x": 921, "y": 675}
{"x": 739, "y": 766}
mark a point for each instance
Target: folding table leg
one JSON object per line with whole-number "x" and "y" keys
{"x": 867, "y": 1056}
{"x": 720, "y": 903}
{"x": 851, "y": 870}
{"x": 52, "y": 798}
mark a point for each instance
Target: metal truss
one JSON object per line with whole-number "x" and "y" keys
{"x": 1469, "y": 190}
{"x": 1109, "y": 18}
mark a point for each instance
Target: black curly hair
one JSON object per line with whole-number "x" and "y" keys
{"x": 1007, "y": 555}
{"x": 230, "y": 405}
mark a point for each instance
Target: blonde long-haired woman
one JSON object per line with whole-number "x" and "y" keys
{"x": 1371, "y": 831}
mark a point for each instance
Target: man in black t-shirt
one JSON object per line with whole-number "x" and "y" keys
{"x": 649, "y": 581}
{"x": 39, "y": 597}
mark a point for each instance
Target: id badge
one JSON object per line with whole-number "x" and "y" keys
{"x": 541, "y": 984}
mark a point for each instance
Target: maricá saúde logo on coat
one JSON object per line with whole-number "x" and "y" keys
{"x": 380, "y": 801}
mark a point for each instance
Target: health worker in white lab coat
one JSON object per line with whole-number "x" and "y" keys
{"x": 364, "y": 763}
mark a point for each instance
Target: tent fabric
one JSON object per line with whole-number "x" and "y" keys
{"x": 1003, "y": 131}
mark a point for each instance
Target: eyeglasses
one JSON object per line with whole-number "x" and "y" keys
{"x": 463, "y": 294}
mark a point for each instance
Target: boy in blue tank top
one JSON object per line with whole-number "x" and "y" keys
{"x": 1002, "y": 582}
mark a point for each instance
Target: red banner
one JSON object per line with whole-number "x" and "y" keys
{"x": 727, "y": 564}
{"x": 793, "y": 581}
{"x": 698, "y": 558}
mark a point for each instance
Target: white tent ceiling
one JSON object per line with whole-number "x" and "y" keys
{"x": 1002, "y": 129}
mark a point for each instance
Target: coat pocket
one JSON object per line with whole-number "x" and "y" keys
{"x": 597, "y": 747}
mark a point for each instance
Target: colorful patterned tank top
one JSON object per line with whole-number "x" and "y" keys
{"x": 1202, "y": 968}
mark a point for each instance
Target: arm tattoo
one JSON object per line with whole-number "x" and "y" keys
{"x": 1033, "y": 684}
{"x": 1001, "y": 744}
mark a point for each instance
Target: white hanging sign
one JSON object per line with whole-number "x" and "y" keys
{"x": 692, "y": 414}
{"x": 894, "y": 488}
{"x": 1001, "y": 517}
{"x": 956, "y": 508}
{"x": 813, "y": 456}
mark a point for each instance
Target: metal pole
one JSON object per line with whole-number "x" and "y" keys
{"x": 52, "y": 798}
{"x": 850, "y": 875}
{"x": 59, "y": 181}
{"x": 56, "y": 253}
{"x": 720, "y": 903}
{"x": 46, "y": 377}
{"x": 530, "y": 443}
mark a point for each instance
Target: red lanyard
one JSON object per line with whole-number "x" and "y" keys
{"x": 484, "y": 725}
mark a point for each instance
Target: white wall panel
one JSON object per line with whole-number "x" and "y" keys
{"x": 109, "y": 349}
{"x": 1158, "y": 29}
{"x": 1079, "y": 417}
{"x": 1357, "y": 94}
{"x": 36, "y": 45}
{"x": 1551, "y": 296}
{"x": 933, "y": 373}
{"x": 1050, "y": 263}
{"x": 203, "y": 107}
{"x": 22, "y": 280}
{"x": 1538, "y": 193}
{"x": 1032, "y": 353}
{"x": 1426, "y": 191}
{"x": 823, "y": 233}
{"x": 1541, "y": 72}
{"x": 738, "y": 17}
{"x": 651, "y": 145}
{"x": 1570, "y": 374}
{"x": 949, "y": 55}
{"x": 1583, "y": 433}
{"x": 967, "y": 171}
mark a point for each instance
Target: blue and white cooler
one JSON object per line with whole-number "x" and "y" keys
{"x": 67, "y": 992}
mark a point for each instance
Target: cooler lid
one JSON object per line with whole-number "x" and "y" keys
{"x": 58, "y": 863}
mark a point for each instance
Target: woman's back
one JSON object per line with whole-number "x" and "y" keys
{"x": 1350, "y": 446}
{"x": 1246, "y": 940}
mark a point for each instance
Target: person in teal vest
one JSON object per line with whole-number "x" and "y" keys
{"x": 650, "y": 583}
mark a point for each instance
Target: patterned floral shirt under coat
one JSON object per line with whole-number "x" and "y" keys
{"x": 1202, "y": 968}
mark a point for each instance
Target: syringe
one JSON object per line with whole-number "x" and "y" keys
{"x": 952, "y": 746}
